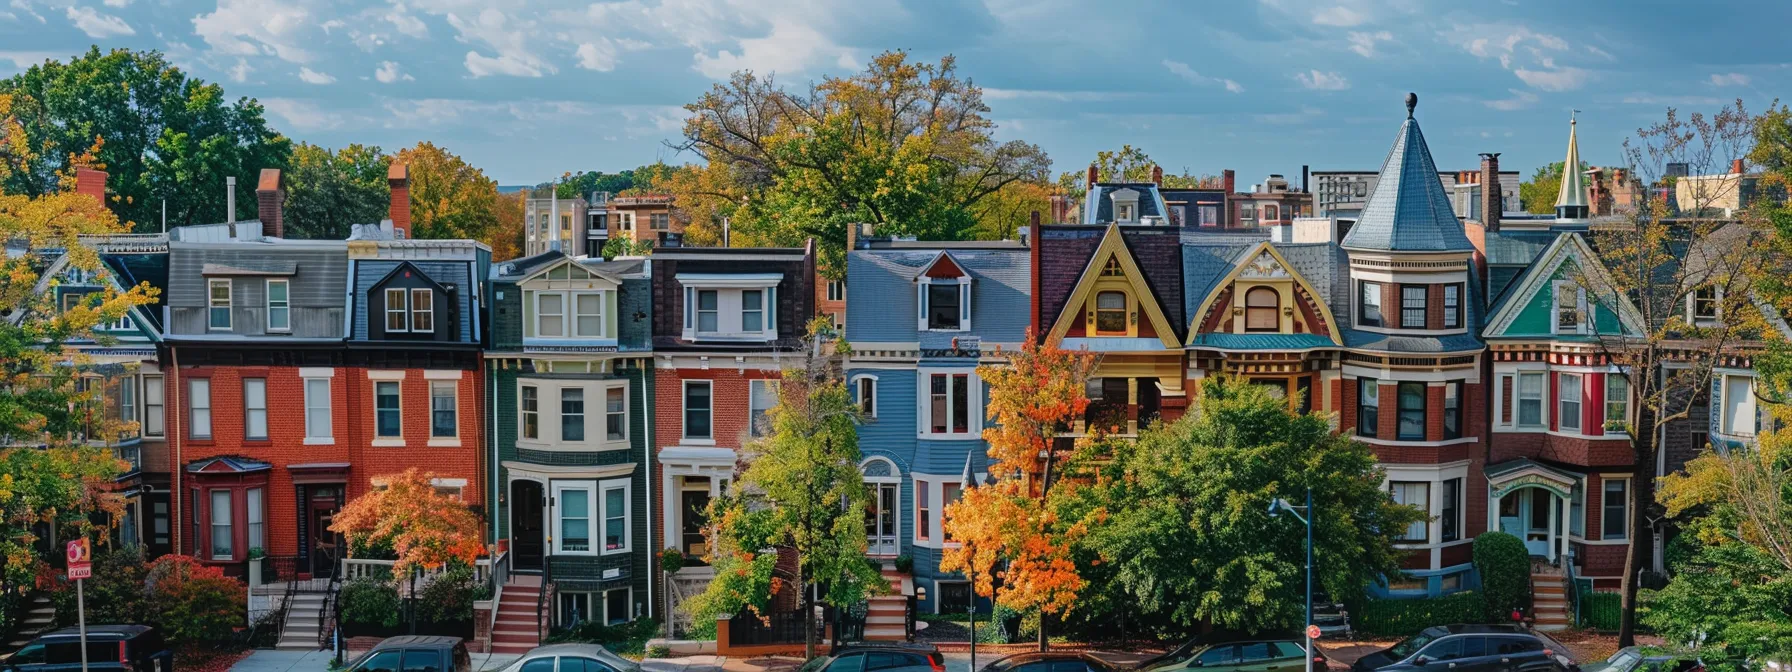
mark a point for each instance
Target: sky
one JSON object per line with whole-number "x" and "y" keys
{"x": 530, "y": 89}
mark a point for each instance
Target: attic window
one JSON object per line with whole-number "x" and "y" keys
{"x": 1110, "y": 313}
{"x": 1263, "y": 307}
{"x": 1705, "y": 301}
{"x": 1112, "y": 270}
{"x": 1123, "y": 213}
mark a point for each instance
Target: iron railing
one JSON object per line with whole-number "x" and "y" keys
{"x": 327, "y": 616}
{"x": 782, "y": 627}
{"x": 544, "y": 603}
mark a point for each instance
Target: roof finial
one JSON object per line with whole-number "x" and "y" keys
{"x": 1412, "y": 101}
{"x": 1571, "y": 114}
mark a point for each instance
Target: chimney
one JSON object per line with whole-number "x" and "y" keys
{"x": 1304, "y": 174}
{"x": 1157, "y": 175}
{"x": 1228, "y": 180}
{"x": 1089, "y": 181}
{"x": 91, "y": 182}
{"x": 399, "y": 177}
{"x": 270, "y": 202}
{"x": 852, "y": 236}
{"x": 1492, "y": 203}
{"x": 1032, "y": 224}
{"x": 1736, "y": 166}
{"x": 230, "y": 202}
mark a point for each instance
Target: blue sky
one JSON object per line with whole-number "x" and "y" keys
{"x": 527, "y": 89}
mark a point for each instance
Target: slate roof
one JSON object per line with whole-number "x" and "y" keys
{"x": 880, "y": 305}
{"x": 1408, "y": 211}
{"x": 1204, "y": 266}
{"x": 1150, "y": 202}
{"x": 1262, "y": 341}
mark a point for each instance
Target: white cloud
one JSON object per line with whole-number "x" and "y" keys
{"x": 239, "y": 72}
{"x": 22, "y": 60}
{"x": 310, "y": 76}
{"x": 118, "y": 3}
{"x": 1500, "y": 40}
{"x": 1322, "y": 81}
{"x": 1340, "y": 16}
{"x": 1189, "y": 75}
{"x": 405, "y": 23}
{"x": 1596, "y": 51}
{"x": 1520, "y": 99}
{"x": 1560, "y": 79}
{"x": 1513, "y": 45}
{"x": 98, "y": 25}
{"x": 791, "y": 46}
{"x": 1729, "y": 79}
{"x": 509, "y": 39}
{"x": 253, "y": 28}
{"x": 303, "y": 115}
{"x": 1364, "y": 43}
{"x": 388, "y": 73}
{"x": 25, "y": 7}
{"x": 600, "y": 54}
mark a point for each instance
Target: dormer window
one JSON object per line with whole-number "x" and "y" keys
{"x": 1262, "y": 309}
{"x": 731, "y": 306}
{"x": 1705, "y": 303}
{"x": 410, "y": 310}
{"x": 1123, "y": 213}
{"x": 1570, "y": 306}
{"x": 1126, "y": 205}
{"x": 1110, "y": 313}
{"x": 943, "y": 306}
{"x": 585, "y": 321}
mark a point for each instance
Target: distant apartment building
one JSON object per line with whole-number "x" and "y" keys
{"x": 1343, "y": 193}
{"x": 646, "y": 217}
{"x": 555, "y": 224}
{"x": 597, "y": 223}
{"x": 1716, "y": 195}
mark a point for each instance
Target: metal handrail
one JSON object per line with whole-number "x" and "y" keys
{"x": 545, "y": 601}
{"x": 499, "y": 576}
{"x": 1573, "y": 586}
{"x": 326, "y": 617}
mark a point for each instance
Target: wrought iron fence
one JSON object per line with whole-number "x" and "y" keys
{"x": 784, "y": 627}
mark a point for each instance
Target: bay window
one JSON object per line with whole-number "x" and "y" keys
{"x": 257, "y": 536}
{"x": 1530, "y": 399}
{"x": 1450, "y": 513}
{"x": 1413, "y": 300}
{"x": 923, "y": 511}
{"x": 1568, "y": 401}
{"x": 865, "y": 389}
{"x": 615, "y": 414}
{"x": 1452, "y": 306}
{"x": 1370, "y": 304}
{"x": 575, "y": 519}
{"x": 222, "y": 549}
{"x": 584, "y": 508}
{"x": 1368, "y": 407}
{"x": 1453, "y": 410}
{"x": 531, "y": 412}
{"x": 1617, "y": 402}
{"x": 949, "y": 494}
{"x": 615, "y": 516}
{"x": 1411, "y": 400}
{"x": 1416, "y": 494}
{"x": 572, "y": 414}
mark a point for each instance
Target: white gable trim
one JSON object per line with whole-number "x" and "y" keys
{"x": 1566, "y": 246}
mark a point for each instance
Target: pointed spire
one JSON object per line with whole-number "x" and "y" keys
{"x": 1408, "y": 211}
{"x": 969, "y": 480}
{"x": 1571, "y": 200}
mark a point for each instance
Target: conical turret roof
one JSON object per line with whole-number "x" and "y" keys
{"x": 1408, "y": 211}
{"x": 1573, "y": 193}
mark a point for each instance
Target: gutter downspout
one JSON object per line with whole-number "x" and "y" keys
{"x": 491, "y": 395}
{"x": 172, "y": 392}
{"x": 647, "y": 451}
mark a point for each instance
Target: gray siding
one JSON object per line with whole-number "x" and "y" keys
{"x": 881, "y": 300}
{"x": 316, "y": 290}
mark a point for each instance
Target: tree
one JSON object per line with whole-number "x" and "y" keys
{"x": 1128, "y": 164}
{"x": 1538, "y": 196}
{"x": 164, "y": 136}
{"x": 903, "y": 145}
{"x": 626, "y": 247}
{"x": 424, "y": 528}
{"x": 1650, "y": 268}
{"x": 506, "y": 239}
{"x": 1183, "y": 531}
{"x": 582, "y": 183}
{"x": 329, "y": 191}
{"x": 194, "y": 603}
{"x": 1039, "y": 391}
{"x": 449, "y": 197}
{"x": 801, "y": 490}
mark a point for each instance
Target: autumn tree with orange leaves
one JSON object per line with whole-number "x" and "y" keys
{"x": 1032, "y": 400}
{"x": 423, "y": 528}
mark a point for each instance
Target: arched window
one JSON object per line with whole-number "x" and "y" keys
{"x": 1262, "y": 310}
{"x": 1110, "y": 312}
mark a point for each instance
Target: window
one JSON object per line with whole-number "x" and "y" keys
{"x": 1368, "y": 406}
{"x": 762, "y": 396}
{"x": 1568, "y": 401}
{"x": 442, "y": 410}
{"x": 572, "y": 414}
{"x": 659, "y": 221}
{"x": 1362, "y": 189}
{"x": 1615, "y": 509}
{"x": 256, "y": 525}
{"x": 127, "y": 399}
{"x": 423, "y": 311}
{"x": 1568, "y": 306}
{"x": 388, "y": 423}
{"x": 1210, "y": 214}
{"x": 279, "y": 307}
{"x": 423, "y": 660}
{"x": 575, "y": 520}
{"x": 221, "y": 546}
{"x": 1370, "y": 315}
{"x": 836, "y": 290}
{"x": 697, "y": 409}
{"x": 1453, "y": 410}
{"x": 1705, "y": 302}
{"x": 1262, "y": 310}
{"x": 949, "y": 410}
{"x": 396, "y": 305}
{"x": 1124, "y": 213}
{"x": 588, "y": 315}
{"x": 867, "y": 400}
{"x": 154, "y": 409}
{"x": 1452, "y": 306}
{"x": 531, "y": 411}
{"x": 616, "y": 611}
{"x": 1110, "y": 312}
{"x": 616, "y": 414}
{"x": 949, "y": 494}
{"x": 317, "y": 408}
{"x": 550, "y": 314}
{"x": 1416, "y": 494}
{"x": 615, "y": 515}
{"x": 943, "y": 306}
{"x": 255, "y": 409}
{"x": 1113, "y": 269}
{"x": 1739, "y": 406}
{"x": 708, "y": 305}
{"x": 1412, "y": 411}
{"x": 1412, "y": 306}
{"x": 218, "y": 305}
{"x": 1271, "y": 213}
{"x": 1450, "y": 513}
{"x": 1617, "y": 402}
{"x": 752, "y": 310}
{"x": 1247, "y": 214}
{"x": 199, "y": 408}
{"x": 1577, "y": 510}
{"x": 1530, "y": 399}
{"x": 923, "y": 511}
{"x": 384, "y": 661}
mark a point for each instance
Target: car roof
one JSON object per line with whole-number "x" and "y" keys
{"x": 416, "y": 641}
{"x": 916, "y": 647}
{"x": 1032, "y": 656}
{"x": 1480, "y": 629}
{"x": 127, "y": 631}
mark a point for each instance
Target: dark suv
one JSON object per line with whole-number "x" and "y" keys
{"x": 415, "y": 653}
{"x": 1471, "y": 648}
{"x": 880, "y": 657}
{"x": 126, "y": 648}
{"x": 1238, "y": 652}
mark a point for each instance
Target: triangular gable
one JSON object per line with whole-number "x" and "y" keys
{"x": 944, "y": 266}
{"x": 1113, "y": 246}
{"x": 1537, "y": 277}
{"x": 139, "y": 319}
{"x": 572, "y": 267}
{"x": 1263, "y": 261}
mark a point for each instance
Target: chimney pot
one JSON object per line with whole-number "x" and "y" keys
{"x": 1492, "y": 198}
{"x": 91, "y": 182}
{"x": 398, "y": 177}
{"x": 230, "y": 202}
{"x": 1089, "y": 181}
{"x": 270, "y": 202}
{"x": 1157, "y": 175}
{"x": 1736, "y": 166}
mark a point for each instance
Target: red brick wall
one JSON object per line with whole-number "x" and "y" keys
{"x": 729, "y": 404}
{"x": 371, "y": 461}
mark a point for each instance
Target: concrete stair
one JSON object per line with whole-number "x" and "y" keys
{"x": 304, "y": 614}
{"x": 518, "y": 627}
{"x": 39, "y": 617}
{"x": 886, "y": 616}
{"x": 1549, "y": 602}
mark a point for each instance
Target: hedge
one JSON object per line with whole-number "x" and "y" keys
{"x": 1400, "y": 618}
{"x": 1600, "y": 610}
{"x": 1505, "y": 568}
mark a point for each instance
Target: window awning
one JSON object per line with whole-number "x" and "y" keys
{"x": 729, "y": 280}
{"x": 1512, "y": 475}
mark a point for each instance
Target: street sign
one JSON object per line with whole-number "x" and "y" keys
{"x": 80, "y": 570}
{"x": 78, "y": 551}
{"x": 80, "y": 567}
{"x": 1312, "y": 632}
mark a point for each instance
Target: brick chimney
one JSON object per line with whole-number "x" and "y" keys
{"x": 1736, "y": 166}
{"x": 91, "y": 182}
{"x": 1089, "y": 178}
{"x": 1228, "y": 180}
{"x": 399, "y": 177}
{"x": 1157, "y": 175}
{"x": 270, "y": 202}
{"x": 1491, "y": 192}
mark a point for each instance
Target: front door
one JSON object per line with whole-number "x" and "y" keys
{"x": 694, "y": 507}
{"x": 880, "y": 520}
{"x": 325, "y": 501}
{"x": 526, "y": 538}
{"x": 1539, "y": 515}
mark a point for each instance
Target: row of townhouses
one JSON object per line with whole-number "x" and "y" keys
{"x": 589, "y": 410}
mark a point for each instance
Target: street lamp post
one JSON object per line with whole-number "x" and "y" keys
{"x": 1276, "y": 507}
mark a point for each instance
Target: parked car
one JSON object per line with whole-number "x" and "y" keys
{"x": 1471, "y": 648}
{"x": 1236, "y": 652}
{"x": 415, "y": 653}
{"x": 1634, "y": 659}
{"x": 130, "y": 648}
{"x": 572, "y": 658}
{"x": 1050, "y": 661}
{"x": 880, "y": 657}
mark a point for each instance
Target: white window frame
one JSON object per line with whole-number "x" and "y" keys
{"x": 684, "y": 425}
{"x": 284, "y": 305}
{"x": 560, "y": 415}
{"x": 600, "y": 507}
{"x": 1717, "y": 305}
{"x": 255, "y": 500}
{"x": 250, "y": 411}
{"x": 523, "y": 413}
{"x": 402, "y": 310}
{"x": 973, "y": 396}
{"x": 1579, "y": 399}
{"x": 1621, "y": 402}
{"x": 594, "y": 542}
{"x": 1582, "y": 316}
{"x": 836, "y": 290}
{"x": 560, "y": 313}
{"x": 770, "y": 385}
{"x": 427, "y": 310}
{"x": 453, "y": 388}
{"x": 1424, "y": 505}
{"x": 193, "y": 411}
{"x": 1744, "y": 409}
{"x": 157, "y": 410}
{"x": 614, "y": 414}
{"x": 325, "y": 405}
{"x": 377, "y": 436}
{"x": 923, "y": 286}
{"x": 1542, "y": 398}
{"x": 1605, "y": 506}
{"x": 859, "y": 384}
{"x": 578, "y": 315}
{"x": 730, "y": 305}
{"x": 211, "y": 303}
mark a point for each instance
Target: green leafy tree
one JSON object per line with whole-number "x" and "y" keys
{"x": 626, "y": 247}
{"x": 450, "y": 198}
{"x": 164, "y": 136}
{"x": 1179, "y": 518}
{"x": 1128, "y": 164}
{"x": 327, "y": 190}
{"x": 801, "y": 490}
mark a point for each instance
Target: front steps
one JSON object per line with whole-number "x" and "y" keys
{"x": 518, "y": 628}
{"x": 886, "y": 618}
{"x": 304, "y": 614}
{"x": 1549, "y": 601}
{"x": 39, "y": 617}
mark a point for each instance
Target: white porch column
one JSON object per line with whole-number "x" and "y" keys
{"x": 1554, "y": 527}
{"x": 669, "y": 509}
{"x": 1566, "y": 526}
{"x": 1493, "y": 514}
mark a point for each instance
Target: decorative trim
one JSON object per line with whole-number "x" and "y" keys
{"x": 378, "y": 374}
{"x": 440, "y": 374}
{"x": 1113, "y": 246}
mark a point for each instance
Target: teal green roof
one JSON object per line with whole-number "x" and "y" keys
{"x": 1262, "y": 341}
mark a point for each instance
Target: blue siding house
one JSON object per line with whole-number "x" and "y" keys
{"x": 921, "y": 316}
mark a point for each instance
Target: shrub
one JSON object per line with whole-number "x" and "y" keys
{"x": 905, "y": 564}
{"x": 1399, "y": 618}
{"x": 1600, "y": 610}
{"x": 449, "y": 597}
{"x": 117, "y": 593}
{"x": 370, "y": 603}
{"x": 623, "y": 638}
{"x": 1505, "y": 568}
{"x": 671, "y": 560}
{"x": 194, "y": 603}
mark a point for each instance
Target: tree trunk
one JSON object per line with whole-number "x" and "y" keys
{"x": 1642, "y": 541}
{"x": 1042, "y": 642}
{"x": 808, "y": 616}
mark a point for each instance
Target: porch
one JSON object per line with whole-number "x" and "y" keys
{"x": 1531, "y": 500}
